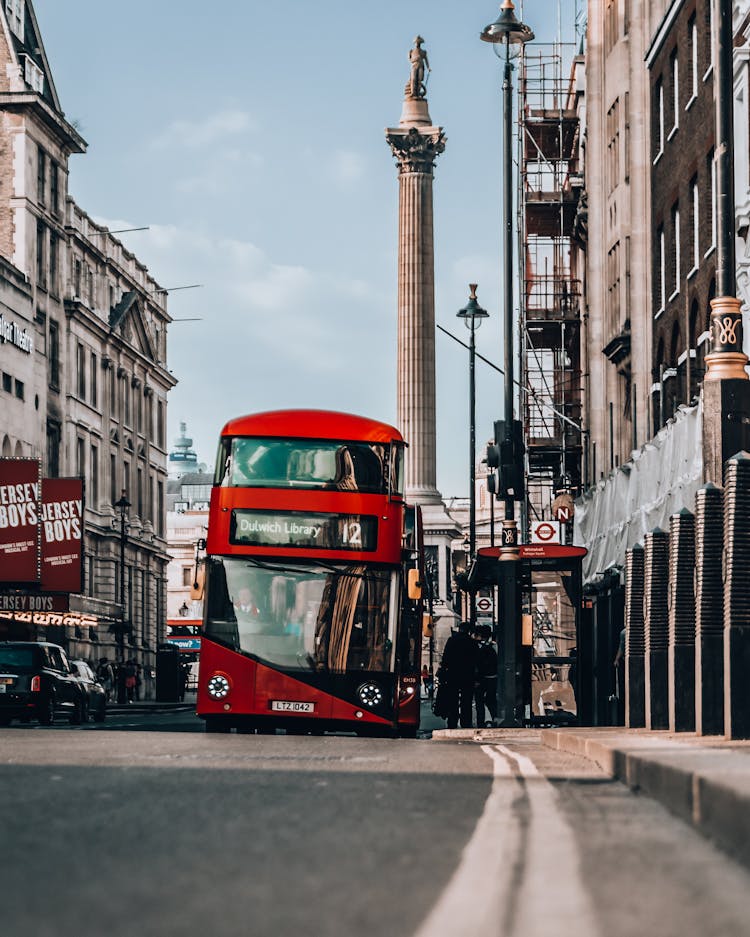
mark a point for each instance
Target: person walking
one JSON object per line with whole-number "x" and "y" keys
{"x": 486, "y": 686}
{"x": 458, "y": 670}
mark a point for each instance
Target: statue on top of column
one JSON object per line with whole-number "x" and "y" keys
{"x": 416, "y": 87}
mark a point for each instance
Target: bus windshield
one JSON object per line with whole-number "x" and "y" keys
{"x": 307, "y": 616}
{"x": 253, "y": 462}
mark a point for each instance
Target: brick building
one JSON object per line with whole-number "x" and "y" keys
{"x": 683, "y": 203}
{"x": 84, "y": 376}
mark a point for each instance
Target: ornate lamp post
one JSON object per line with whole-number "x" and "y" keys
{"x": 507, "y": 30}
{"x": 472, "y": 315}
{"x": 123, "y": 507}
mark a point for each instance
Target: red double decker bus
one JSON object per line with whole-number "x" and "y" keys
{"x": 313, "y": 611}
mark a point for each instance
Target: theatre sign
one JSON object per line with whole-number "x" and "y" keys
{"x": 41, "y": 538}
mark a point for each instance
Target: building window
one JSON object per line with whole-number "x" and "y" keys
{"x": 113, "y": 495}
{"x": 53, "y": 263}
{"x": 675, "y": 93}
{"x": 54, "y": 187}
{"x": 139, "y": 493}
{"x": 187, "y": 575}
{"x": 7, "y": 382}
{"x": 126, "y": 477}
{"x": 41, "y": 176}
{"x": 53, "y": 355}
{"x": 53, "y": 449}
{"x": 93, "y": 380}
{"x": 80, "y": 457}
{"x": 90, "y": 286}
{"x": 77, "y": 278}
{"x": 160, "y": 508}
{"x": 659, "y": 108}
{"x": 20, "y": 390}
{"x": 112, "y": 393}
{"x": 151, "y": 498}
{"x": 696, "y": 222}
{"x": 81, "y": 367}
{"x": 693, "y": 42}
{"x": 676, "y": 231}
{"x": 15, "y": 13}
{"x": 709, "y": 37}
{"x": 160, "y": 424}
{"x": 41, "y": 269}
{"x": 94, "y": 480}
{"x": 661, "y": 271}
{"x": 126, "y": 400}
{"x": 32, "y": 74}
{"x": 613, "y": 147}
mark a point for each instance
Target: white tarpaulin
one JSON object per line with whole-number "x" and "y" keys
{"x": 660, "y": 479}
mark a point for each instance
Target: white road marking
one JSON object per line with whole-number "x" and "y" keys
{"x": 519, "y": 873}
{"x": 472, "y": 901}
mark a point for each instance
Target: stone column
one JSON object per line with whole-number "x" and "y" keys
{"x": 656, "y": 619}
{"x": 635, "y": 642}
{"x": 416, "y": 144}
{"x": 737, "y": 597}
{"x": 709, "y": 611}
{"x": 681, "y": 660}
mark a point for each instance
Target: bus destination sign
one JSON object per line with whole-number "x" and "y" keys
{"x": 302, "y": 530}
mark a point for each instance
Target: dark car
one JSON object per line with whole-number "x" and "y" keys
{"x": 37, "y": 682}
{"x": 95, "y": 697}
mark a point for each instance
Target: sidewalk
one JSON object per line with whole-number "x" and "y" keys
{"x": 704, "y": 781}
{"x": 151, "y": 706}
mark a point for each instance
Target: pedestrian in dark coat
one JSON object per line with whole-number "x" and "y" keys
{"x": 458, "y": 675}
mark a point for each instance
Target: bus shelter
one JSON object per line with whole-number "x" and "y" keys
{"x": 549, "y": 635}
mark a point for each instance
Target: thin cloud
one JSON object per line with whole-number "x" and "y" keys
{"x": 202, "y": 133}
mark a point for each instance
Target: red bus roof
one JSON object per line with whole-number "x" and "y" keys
{"x": 312, "y": 424}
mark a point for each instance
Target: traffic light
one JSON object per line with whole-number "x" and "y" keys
{"x": 511, "y": 482}
{"x": 493, "y": 463}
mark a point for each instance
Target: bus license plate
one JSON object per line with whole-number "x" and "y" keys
{"x": 288, "y": 706}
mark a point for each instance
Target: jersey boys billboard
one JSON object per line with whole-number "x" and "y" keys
{"x": 20, "y": 533}
{"x": 41, "y": 528}
{"x": 62, "y": 531}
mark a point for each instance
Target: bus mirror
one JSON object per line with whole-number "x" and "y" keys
{"x": 199, "y": 582}
{"x": 428, "y": 626}
{"x": 414, "y": 584}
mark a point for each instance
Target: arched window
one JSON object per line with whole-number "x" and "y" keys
{"x": 7, "y": 448}
{"x": 696, "y": 372}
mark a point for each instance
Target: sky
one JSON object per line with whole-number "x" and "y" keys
{"x": 249, "y": 137}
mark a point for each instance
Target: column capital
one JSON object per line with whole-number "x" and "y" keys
{"x": 416, "y": 150}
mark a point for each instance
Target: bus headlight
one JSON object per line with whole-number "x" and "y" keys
{"x": 370, "y": 694}
{"x": 218, "y": 686}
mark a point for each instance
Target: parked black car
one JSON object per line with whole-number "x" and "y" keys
{"x": 95, "y": 697}
{"x": 37, "y": 682}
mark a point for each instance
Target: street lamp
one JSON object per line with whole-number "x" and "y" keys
{"x": 123, "y": 506}
{"x": 472, "y": 315}
{"x": 507, "y": 30}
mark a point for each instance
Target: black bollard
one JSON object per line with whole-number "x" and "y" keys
{"x": 635, "y": 642}
{"x": 709, "y": 611}
{"x": 681, "y": 659}
{"x": 656, "y": 623}
{"x": 737, "y": 596}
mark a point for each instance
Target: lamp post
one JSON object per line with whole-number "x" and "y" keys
{"x": 472, "y": 315}
{"x": 123, "y": 506}
{"x": 507, "y": 30}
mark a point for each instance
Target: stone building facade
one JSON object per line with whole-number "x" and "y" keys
{"x": 86, "y": 391}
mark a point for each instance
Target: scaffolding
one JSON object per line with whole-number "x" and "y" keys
{"x": 551, "y": 184}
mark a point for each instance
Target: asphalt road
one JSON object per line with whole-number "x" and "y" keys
{"x": 111, "y": 832}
